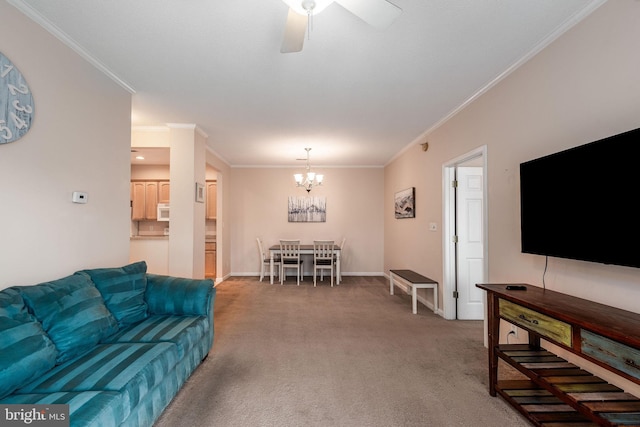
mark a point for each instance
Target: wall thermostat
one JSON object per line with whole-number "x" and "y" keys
{"x": 79, "y": 197}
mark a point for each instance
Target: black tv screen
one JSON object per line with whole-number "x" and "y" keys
{"x": 582, "y": 203}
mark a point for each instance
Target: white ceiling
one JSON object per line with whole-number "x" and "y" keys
{"x": 356, "y": 95}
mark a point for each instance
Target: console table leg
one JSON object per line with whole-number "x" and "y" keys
{"x": 494, "y": 341}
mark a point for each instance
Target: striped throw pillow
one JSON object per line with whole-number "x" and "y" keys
{"x": 123, "y": 291}
{"x": 27, "y": 352}
{"x": 72, "y": 312}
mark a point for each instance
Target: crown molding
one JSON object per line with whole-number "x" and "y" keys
{"x": 35, "y": 16}
{"x": 550, "y": 38}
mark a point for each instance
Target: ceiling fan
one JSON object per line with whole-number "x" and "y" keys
{"x": 377, "y": 13}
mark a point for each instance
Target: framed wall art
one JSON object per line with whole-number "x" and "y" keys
{"x": 199, "y": 192}
{"x": 307, "y": 209}
{"x": 405, "y": 203}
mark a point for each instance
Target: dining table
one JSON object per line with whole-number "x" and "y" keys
{"x": 304, "y": 250}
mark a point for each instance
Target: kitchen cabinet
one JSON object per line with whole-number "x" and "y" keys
{"x": 151, "y": 200}
{"x": 138, "y": 191}
{"x": 212, "y": 193}
{"x": 210, "y": 259}
{"x": 145, "y": 196}
{"x": 163, "y": 191}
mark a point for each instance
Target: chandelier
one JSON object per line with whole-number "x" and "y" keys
{"x": 310, "y": 179}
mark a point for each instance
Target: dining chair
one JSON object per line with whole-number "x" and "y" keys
{"x": 290, "y": 258}
{"x": 335, "y": 260}
{"x": 266, "y": 261}
{"x": 323, "y": 258}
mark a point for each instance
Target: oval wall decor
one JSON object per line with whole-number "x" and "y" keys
{"x": 16, "y": 103}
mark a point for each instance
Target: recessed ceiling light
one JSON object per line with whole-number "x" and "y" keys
{"x": 140, "y": 157}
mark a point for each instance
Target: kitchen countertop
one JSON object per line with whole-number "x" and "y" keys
{"x": 149, "y": 238}
{"x": 206, "y": 239}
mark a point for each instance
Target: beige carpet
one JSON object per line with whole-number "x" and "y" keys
{"x": 351, "y": 355}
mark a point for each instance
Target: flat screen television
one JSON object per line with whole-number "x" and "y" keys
{"x": 582, "y": 203}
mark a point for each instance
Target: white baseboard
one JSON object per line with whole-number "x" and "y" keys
{"x": 351, "y": 273}
{"x": 402, "y": 286}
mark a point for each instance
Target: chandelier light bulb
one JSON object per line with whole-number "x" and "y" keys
{"x": 311, "y": 179}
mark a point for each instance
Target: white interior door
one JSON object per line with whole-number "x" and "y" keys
{"x": 460, "y": 300}
{"x": 470, "y": 242}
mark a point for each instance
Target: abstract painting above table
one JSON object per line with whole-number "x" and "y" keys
{"x": 307, "y": 209}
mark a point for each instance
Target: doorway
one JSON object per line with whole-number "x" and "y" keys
{"x": 212, "y": 256}
{"x": 149, "y": 190}
{"x": 465, "y": 237}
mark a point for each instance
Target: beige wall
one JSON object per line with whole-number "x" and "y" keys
{"x": 187, "y": 166}
{"x": 150, "y": 172}
{"x": 581, "y": 88}
{"x": 408, "y": 241}
{"x": 354, "y": 210}
{"x": 79, "y": 141}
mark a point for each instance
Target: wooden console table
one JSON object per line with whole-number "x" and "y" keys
{"x": 557, "y": 392}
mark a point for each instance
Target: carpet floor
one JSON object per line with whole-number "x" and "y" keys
{"x": 351, "y": 355}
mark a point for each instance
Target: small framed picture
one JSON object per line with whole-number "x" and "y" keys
{"x": 199, "y": 192}
{"x": 404, "y": 202}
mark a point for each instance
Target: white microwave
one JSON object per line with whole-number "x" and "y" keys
{"x": 163, "y": 211}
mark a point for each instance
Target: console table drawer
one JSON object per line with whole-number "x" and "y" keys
{"x": 544, "y": 325}
{"x": 623, "y": 358}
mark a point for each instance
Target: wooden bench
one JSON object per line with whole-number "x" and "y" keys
{"x": 415, "y": 281}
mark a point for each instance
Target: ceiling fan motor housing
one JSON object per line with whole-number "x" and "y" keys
{"x": 308, "y": 5}
{"x": 305, "y": 7}
{"x": 377, "y": 13}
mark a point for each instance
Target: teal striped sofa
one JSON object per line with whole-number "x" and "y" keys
{"x": 115, "y": 344}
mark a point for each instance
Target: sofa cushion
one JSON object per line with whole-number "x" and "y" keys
{"x": 72, "y": 313}
{"x": 150, "y": 407}
{"x": 87, "y": 408}
{"x": 123, "y": 291}
{"x": 129, "y": 368}
{"x": 184, "y": 331}
{"x": 27, "y": 352}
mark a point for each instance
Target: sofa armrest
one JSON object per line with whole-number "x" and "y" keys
{"x": 182, "y": 297}
{"x": 179, "y": 296}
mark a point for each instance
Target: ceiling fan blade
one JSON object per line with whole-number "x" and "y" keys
{"x": 377, "y": 13}
{"x": 294, "y": 32}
